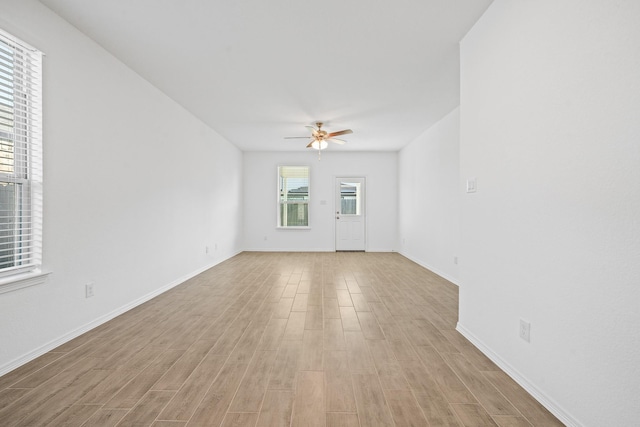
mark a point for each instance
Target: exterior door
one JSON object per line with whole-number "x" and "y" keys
{"x": 350, "y": 214}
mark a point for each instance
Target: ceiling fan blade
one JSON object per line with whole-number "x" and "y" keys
{"x": 340, "y": 132}
{"x": 311, "y": 144}
{"x": 336, "y": 140}
{"x": 296, "y": 137}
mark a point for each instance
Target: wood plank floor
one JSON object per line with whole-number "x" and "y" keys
{"x": 277, "y": 339}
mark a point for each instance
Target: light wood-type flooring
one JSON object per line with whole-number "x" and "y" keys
{"x": 277, "y": 339}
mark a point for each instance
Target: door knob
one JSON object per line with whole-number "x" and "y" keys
{"x": 337, "y": 217}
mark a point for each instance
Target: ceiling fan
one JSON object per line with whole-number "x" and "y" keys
{"x": 320, "y": 137}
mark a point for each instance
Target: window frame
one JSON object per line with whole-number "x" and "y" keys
{"x": 279, "y": 203}
{"x": 21, "y": 164}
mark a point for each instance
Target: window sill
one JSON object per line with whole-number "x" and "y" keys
{"x": 294, "y": 228}
{"x": 24, "y": 280}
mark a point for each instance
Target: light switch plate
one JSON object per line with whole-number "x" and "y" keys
{"x": 471, "y": 185}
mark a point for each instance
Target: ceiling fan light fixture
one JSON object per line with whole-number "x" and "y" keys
{"x": 320, "y": 138}
{"x": 319, "y": 144}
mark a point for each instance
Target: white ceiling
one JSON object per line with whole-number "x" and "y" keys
{"x": 257, "y": 71}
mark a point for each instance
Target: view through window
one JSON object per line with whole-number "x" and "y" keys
{"x": 293, "y": 196}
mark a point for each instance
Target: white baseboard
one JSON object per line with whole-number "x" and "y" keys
{"x": 288, "y": 250}
{"x": 28, "y": 357}
{"x": 431, "y": 268}
{"x": 541, "y": 397}
{"x": 307, "y": 250}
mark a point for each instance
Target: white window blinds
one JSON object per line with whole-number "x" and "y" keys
{"x": 20, "y": 156}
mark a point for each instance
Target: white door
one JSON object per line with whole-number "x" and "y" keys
{"x": 350, "y": 214}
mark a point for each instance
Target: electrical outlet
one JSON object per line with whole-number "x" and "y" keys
{"x": 525, "y": 330}
{"x": 206, "y": 249}
{"x": 88, "y": 290}
{"x": 215, "y": 247}
{"x": 455, "y": 260}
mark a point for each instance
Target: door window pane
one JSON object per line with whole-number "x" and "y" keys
{"x": 350, "y": 198}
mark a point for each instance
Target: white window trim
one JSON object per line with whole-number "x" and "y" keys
{"x": 24, "y": 280}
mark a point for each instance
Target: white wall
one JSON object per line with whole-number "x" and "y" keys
{"x": 550, "y": 108}
{"x": 429, "y": 198}
{"x": 260, "y": 199}
{"x": 135, "y": 188}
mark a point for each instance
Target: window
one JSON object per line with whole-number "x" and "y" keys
{"x": 20, "y": 159}
{"x": 293, "y": 196}
{"x": 350, "y": 198}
